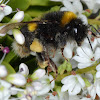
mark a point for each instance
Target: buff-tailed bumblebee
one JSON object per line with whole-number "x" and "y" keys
{"x": 51, "y": 32}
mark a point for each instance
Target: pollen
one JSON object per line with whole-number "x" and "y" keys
{"x": 36, "y": 46}
{"x": 32, "y": 27}
{"x": 67, "y": 17}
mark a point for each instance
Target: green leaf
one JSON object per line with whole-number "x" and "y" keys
{"x": 27, "y": 17}
{"x": 10, "y": 69}
{"x": 55, "y": 8}
{"x": 21, "y": 4}
{"x": 40, "y": 2}
{"x": 35, "y": 11}
{"x": 9, "y": 56}
{"x": 66, "y": 66}
{"x": 69, "y": 66}
{"x": 62, "y": 67}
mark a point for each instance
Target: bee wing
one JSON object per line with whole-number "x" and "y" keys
{"x": 11, "y": 26}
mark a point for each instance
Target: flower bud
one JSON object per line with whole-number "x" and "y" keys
{"x": 23, "y": 69}
{"x": 6, "y": 50}
{"x": 19, "y": 37}
{"x": 3, "y": 71}
{"x": 38, "y": 74}
{"x": 16, "y": 79}
{"x": 18, "y": 17}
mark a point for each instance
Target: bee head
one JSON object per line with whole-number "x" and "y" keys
{"x": 77, "y": 30}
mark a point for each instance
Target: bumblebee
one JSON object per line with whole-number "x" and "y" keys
{"x": 51, "y": 32}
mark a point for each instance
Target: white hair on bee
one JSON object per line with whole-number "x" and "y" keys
{"x": 20, "y": 50}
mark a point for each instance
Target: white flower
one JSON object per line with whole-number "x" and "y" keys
{"x": 38, "y": 74}
{"x": 68, "y": 49}
{"x": 19, "y": 37}
{"x": 3, "y": 71}
{"x": 4, "y": 10}
{"x": 23, "y": 69}
{"x": 16, "y": 79}
{"x": 72, "y": 83}
{"x": 86, "y": 57}
{"x": 47, "y": 85}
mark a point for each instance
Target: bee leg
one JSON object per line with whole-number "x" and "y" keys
{"x": 63, "y": 54}
{"x": 54, "y": 68}
{"x": 51, "y": 65}
{"x": 42, "y": 61}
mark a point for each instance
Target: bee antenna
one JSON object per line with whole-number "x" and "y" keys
{"x": 90, "y": 43}
{"x": 94, "y": 29}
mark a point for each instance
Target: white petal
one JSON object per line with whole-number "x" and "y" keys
{"x": 67, "y": 78}
{"x": 44, "y": 90}
{"x": 88, "y": 51}
{"x": 68, "y": 49}
{"x": 98, "y": 67}
{"x": 92, "y": 91}
{"x": 78, "y": 6}
{"x": 63, "y": 9}
{"x": 17, "y": 79}
{"x": 7, "y": 10}
{"x": 97, "y": 52}
{"x": 38, "y": 74}
{"x": 98, "y": 88}
{"x": 81, "y": 81}
{"x": 64, "y": 88}
{"x": 84, "y": 65}
{"x": 37, "y": 85}
{"x": 73, "y": 97}
{"x": 53, "y": 82}
{"x": 90, "y": 3}
{"x": 96, "y": 8}
{"x": 69, "y": 6}
{"x": 1, "y": 15}
{"x": 3, "y": 71}
{"x": 81, "y": 59}
{"x": 98, "y": 1}
{"x": 83, "y": 18}
{"x": 76, "y": 89}
{"x": 98, "y": 74}
{"x": 70, "y": 85}
{"x": 5, "y": 84}
{"x": 81, "y": 53}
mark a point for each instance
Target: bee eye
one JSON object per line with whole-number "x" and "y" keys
{"x": 75, "y": 30}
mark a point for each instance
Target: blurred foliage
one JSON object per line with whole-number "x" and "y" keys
{"x": 32, "y": 8}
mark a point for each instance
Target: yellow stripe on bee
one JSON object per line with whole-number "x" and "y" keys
{"x": 32, "y": 27}
{"x": 36, "y": 46}
{"x": 67, "y": 17}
